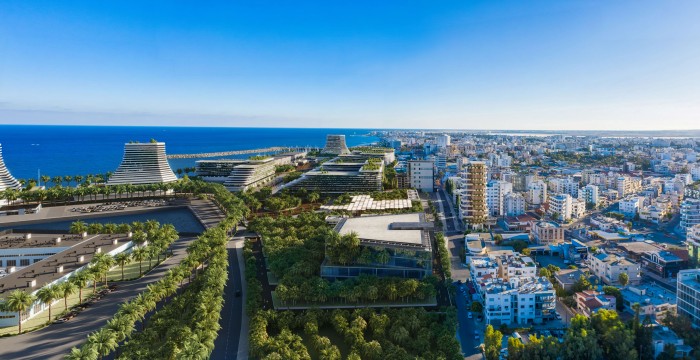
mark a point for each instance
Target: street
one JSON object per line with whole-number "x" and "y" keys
{"x": 467, "y": 327}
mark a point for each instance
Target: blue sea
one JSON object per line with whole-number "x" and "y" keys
{"x": 82, "y": 150}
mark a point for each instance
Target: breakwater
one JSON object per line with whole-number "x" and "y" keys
{"x": 274, "y": 149}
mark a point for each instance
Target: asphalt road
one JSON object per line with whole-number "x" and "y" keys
{"x": 234, "y": 323}
{"x": 55, "y": 341}
{"x": 467, "y": 327}
{"x": 448, "y": 212}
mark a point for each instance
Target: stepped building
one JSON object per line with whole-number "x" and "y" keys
{"x": 143, "y": 163}
{"x": 7, "y": 181}
{"x": 335, "y": 144}
{"x": 346, "y": 173}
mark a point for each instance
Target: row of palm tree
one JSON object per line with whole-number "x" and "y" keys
{"x": 208, "y": 253}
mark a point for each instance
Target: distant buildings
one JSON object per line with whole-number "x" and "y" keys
{"x": 608, "y": 268}
{"x": 335, "y": 145}
{"x": 421, "y": 175}
{"x": 513, "y": 204}
{"x": 143, "y": 163}
{"x": 443, "y": 141}
{"x": 7, "y": 181}
{"x": 390, "y": 246}
{"x": 473, "y": 206}
{"x": 688, "y": 293}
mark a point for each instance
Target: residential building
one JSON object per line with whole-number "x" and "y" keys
{"x": 566, "y": 278}
{"x": 513, "y": 204}
{"x": 578, "y": 208}
{"x": 537, "y": 192}
{"x": 518, "y": 301}
{"x": 590, "y": 194}
{"x": 346, "y": 173}
{"x": 252, "y": 174}
{"x": 143, "y": 163}
{"x": 626, "y": 185}
{"x": 693, "y": 243}
{"x": 653, "y": 300}
{"x": 443, "y": 141}
{"x": 335, "y": 145}
{"x": 664, "y": 263}
{"x": 547, "y": 233}
{"x": 688, "y": 295}
{"x": 495, "y": 193}
{"x": 630, "y": 205}
{"x": 590, "y": 301}
{"x": 690, "y": 214}
{"x": 560, "y": 207}
{"x": 565, "y": 186}
{"x": 421, "y": 174}
{"x": 662, "y": 336}
{"x": 7, "y": 181}
{"x": 396, "y": 246}
{"x": 608, "y": 268}
{"x": 473, "y": 206}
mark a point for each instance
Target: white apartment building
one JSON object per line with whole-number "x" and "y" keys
{"x": 688, "y": 295}
{"x": 537, "y": 192}
{"x": 608, "y": 268}
{"x": 627, "y": 185}
{"x": 421, "y": 175}
{"x": 565, "y": 186}
{"x": 578, "y": 208}
{"x": 518, "y": 300}
{"x": 630, "y": 205}
{"x": 690, "y": 214}
{"x": 443, "y": 141}
{"x": 514, "y": 204}
{"x": 590, "y": 194}
{"x": 560, "y": 207}
{"x": 495, "y": 193}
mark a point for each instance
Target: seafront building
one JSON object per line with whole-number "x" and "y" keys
{"x": 32, "y": 261}
{"x": 251, "y": 174}
{"x": 143, "y": 163}
{"x": 335, "y": 145}
{"x": 345, "y": 173}
{"x": 393, "y": 245}
{"x": 7, "y": 181}
{"x": 688, "y": 295}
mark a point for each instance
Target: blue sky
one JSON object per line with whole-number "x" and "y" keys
{"x": 590, "y": 64}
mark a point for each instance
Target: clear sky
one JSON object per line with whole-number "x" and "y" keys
{"x": 593, "y": 64}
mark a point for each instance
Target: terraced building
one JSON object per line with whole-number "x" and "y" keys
{"x": 7, "y": 181}
{"x": 143, "y": 163}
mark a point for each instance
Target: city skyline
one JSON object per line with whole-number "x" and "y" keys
{"x": 478, "y": 65}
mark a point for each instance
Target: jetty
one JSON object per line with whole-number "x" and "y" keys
{"x": 274, "y": 149}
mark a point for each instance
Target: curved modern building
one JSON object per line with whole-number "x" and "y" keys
{"x": 143, "y": 163}
{"x": 335, "y": 144}
{"x": 7, "y": 181}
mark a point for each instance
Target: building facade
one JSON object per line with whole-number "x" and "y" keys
{"x": 143, "y": 163}
{"x": 608, "y": 268}
{"x": 7, "y": 181}
{"x": 335, "y": 145}
{"x": 547, "y": 233}
{"x": 514, "y": 204}
{"x": 688, "y": 295}
{"x": 473, "y": 206}
{"x": 690, "y": 214}
{"x": 421, "y": 175}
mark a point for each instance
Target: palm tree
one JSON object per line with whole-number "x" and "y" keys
{"x": 122, "y": 259}
{"x": 45, "y": 179}
{"x": 57, "y": 180}
{"x": 18, "y": 301}
{"x": 139, "y": 254}
{"x": 48, "y": 294}
{"x": 78, "y": 227}
{"x": 68, "y": 179}
{"x": 83, "y": 353}
{"x": 80, "y": 280}
{"x": 78, "y": 179}
{"x": 104, "y": 341}
{"x": 66, "y": 289}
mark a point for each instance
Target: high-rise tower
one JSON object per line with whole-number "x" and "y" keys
{"x": 143, "y": 163}
{"x": 7, "y": 181}
{"x": 335, "y": 144}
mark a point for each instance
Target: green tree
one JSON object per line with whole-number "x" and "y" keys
{"x": 492, "y": 343}
{"x": 18, "y": 301}
{"x": 624, "y": 279}
{"x": 616, "y": 340}
{"x": 122, "y": 259}
{"x": 581, "y": 284}
{"x": 104, "y": 341}
{"x": 580, "y": 342}
{"x": 66, "y": 289}
{"x": 477, "y": 307}
{"x": 82, "y": 353}
{"x": 78, "y": 227}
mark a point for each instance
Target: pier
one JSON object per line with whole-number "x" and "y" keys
{"x": 274, "y": 149}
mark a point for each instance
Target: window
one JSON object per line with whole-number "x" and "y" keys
{"x": 24, "y": 262}
{"x": 11, "y": 262}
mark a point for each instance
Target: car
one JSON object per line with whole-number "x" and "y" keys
{"x": 60, "y": 321}
{"x": 469, "y": 315}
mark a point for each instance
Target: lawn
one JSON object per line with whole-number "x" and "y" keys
{"x": 131, "y": 270}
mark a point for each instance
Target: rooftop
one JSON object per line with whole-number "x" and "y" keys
{"x": 568, "y": 276}
{"x": 403, "y": 230}
{"x": 47, "y": 270}
{"x": 648, "y": 294}
{"x": 20, "y": 240}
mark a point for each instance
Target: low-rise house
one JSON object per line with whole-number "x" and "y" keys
{"x": 566, "y": 278}
{"x": 608, "y": 268}
{"x": 590, "y": 301}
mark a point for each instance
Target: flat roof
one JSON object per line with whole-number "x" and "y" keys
{"x": 44, "y": 271}
{"x": 384, "y": 229}
{"x": 20, "y": 241}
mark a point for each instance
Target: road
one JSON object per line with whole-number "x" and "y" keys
{"x": 234, "y": 322}
{"x": 448, "y": 212}
{"x": 467, "y": 327}
{"x": 55, "y": 341}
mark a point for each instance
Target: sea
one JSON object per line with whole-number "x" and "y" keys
{"x": 30, "y": 150}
